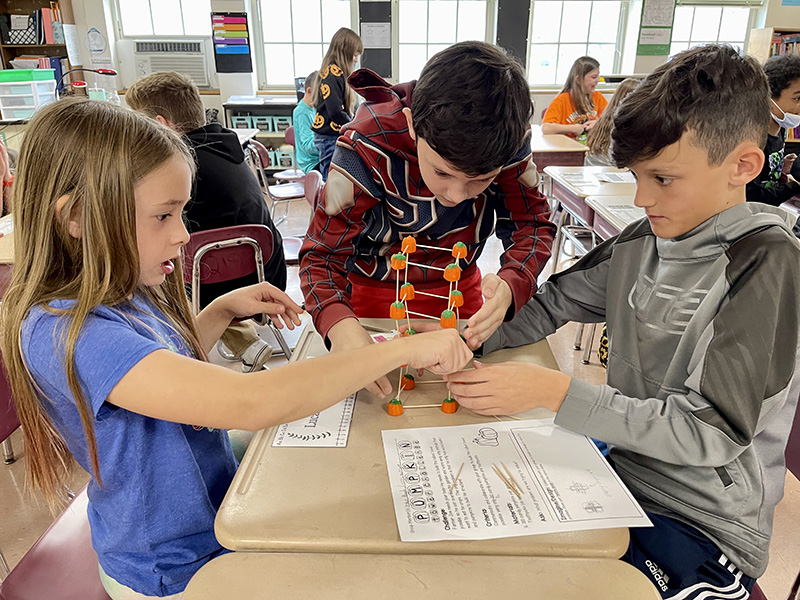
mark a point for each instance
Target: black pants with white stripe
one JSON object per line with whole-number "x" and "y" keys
{"x": 683, "y": 564}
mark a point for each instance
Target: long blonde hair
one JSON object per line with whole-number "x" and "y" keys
{"x": 95, "y": 154}
{"x": 599, "y": 138}
{"x": 345, "y": 43}
{"x": 582, "y": 66}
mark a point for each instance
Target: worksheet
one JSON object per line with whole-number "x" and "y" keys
{"x": 326, "y": 429}
{"x": 502, "y": 479}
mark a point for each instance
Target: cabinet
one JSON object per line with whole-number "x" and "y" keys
{"x": 271, "y": 115}
{"x": 770, "y": 41}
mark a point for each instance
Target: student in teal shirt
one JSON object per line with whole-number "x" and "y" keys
{"x": 303, "y": 116}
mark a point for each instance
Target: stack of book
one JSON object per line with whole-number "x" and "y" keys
{"x": 788, "y": 43}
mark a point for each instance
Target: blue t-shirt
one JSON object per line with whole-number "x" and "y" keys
{"x": 153, "y": 521}
{"x": 304, "y": 149}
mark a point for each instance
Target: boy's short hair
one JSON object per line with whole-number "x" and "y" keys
{"x": 712, "y": 91}
{"x": 781, "y": 71}
{"x": 311, "y": 80}
{"x": 472, "y": 106}
{"x": 172, "y": 95}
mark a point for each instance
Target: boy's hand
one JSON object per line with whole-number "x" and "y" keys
{"x": 788, "y": 163}
{"x": 261, "y": 298}
{"x": 440, "y": 351}
{"x": 508, "y": 388}
{"x": 348, "y": 334}
{"x": 491, "y": 315}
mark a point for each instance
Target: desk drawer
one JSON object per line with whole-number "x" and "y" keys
{"x": 558, "y": 159}
{"x": 603, "y": 228}
{"x": 573, "y": 203}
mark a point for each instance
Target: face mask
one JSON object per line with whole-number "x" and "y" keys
{"x": 789, "y": 120}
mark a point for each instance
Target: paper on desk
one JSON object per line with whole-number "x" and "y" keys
{"x": 6, "y": 226}
{"x": 326, "y": 429}
{"x": 566, "y": 483}
{"x": 616, "y": 177}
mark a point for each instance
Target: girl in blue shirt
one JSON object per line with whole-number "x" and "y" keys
{"x": 108, "y": 366}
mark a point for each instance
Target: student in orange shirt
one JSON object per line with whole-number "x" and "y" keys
{"x": 576, "y": 109}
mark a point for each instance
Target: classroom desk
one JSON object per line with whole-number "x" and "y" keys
{"x": 613, "y": 214}
{"x": 559, "y": 149}
{"x": 245, "y": 135}
{"x": 257, "y": 576}
{"x": 570, "y": 186}
{"x": 338, "y": 500}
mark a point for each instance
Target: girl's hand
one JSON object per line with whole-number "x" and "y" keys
{"x": 261, "y": 298}
{"x": 508, "y": 388}
{"x": 5, "y": 166}
{"x": 578, "y": 128}
{"x": 440, "y": 351}
{"x": 589, "y": 125}
{"x": 788, "y": 162}
{"x": 491, "y": 315}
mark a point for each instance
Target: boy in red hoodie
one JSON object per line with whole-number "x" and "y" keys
{"x": 452, "y": 164}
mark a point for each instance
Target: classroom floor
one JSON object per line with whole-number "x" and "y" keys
{"x": 22, "y": 521}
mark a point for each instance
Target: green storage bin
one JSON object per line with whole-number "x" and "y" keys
{"x": 27, "y": 74}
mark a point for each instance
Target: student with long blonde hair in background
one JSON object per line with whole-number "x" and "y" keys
{"x": 575, "y": 110}
{"x": 599, "y": 139}
{"x": 333, "y": 99}
{"x": 107, "y": 364}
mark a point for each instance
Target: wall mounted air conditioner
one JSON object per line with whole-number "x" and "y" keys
{"x": 142, "y": 57}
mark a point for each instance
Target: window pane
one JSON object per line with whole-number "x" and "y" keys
{"x": 734, "y": 23}
{"x": 167, "y": 17}
{"x": 306, "y": 21}
{"x": 604, "y": 53}
{"x": 413, "y": 21}
{"x": 546, "y": 22}
{"x": 278, "y": 63}
{"x": 412, "y": 59}
{"x": 335, "y": 14}
{"x": 135, "y": 17}
{"x": 277, "y": 27}
{"x": 682, "y": 24}
{"x": 544, "y": 58}
{"x": 605, "y": 21}
{"x": 575, "y": 27}
{"x": 567, "y": 53}
{"x": 435, "y": 49}
{"x": 706, "y": 23}
{"x": 307, "y": 58}
{"x": 442, "y": 14}
{"x": 196, "y": 17}
{"x": 471, "y": 20}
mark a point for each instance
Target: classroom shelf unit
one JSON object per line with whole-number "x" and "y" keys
{"x": 770, "y": 41}
{"x": 270, "y": 114}
{"x": 9, "y": 52}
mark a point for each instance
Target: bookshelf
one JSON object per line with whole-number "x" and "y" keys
{"x": 770, "y": 41}
{"x": 8, "y": 52}
{"x": 276, "y": 106}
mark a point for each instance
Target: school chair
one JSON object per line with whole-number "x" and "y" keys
{"x": 61, "y": 564}
{"x": 218, "y": 255}
{"x": 293, "y": 174}
{"x": 9, "y": 422}
{"x": 282, "y": 193}
{"x": 313, "y": 190}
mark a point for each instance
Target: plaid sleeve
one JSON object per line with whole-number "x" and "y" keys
{"x": 524, "y": 227}
{"x": 333, "y": 237}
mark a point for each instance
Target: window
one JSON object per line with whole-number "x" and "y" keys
{"x": 695, "y": 25}
{"x": 562, "y": 31}
{"x": 164, "y": 17}
{"x": 428, "y": 26}
{"x": 295, "y": 35}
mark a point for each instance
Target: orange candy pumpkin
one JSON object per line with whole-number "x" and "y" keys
{"x": 407, "y": 382}
{"x": 456, "y": 299}
{"x": 398, "y": 261}
{"x": 452, "y": 272}
{"x": 407, "y": 292}
{"x": 449, "y": 405}
{"x": 448, "y": 319}
{"x": 397, "y": 311}
{"x": 460, "y": 250}
{"x": 395, "y": 408}
{"x": 408, "y": 245}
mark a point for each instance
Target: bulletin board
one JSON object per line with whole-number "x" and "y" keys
{"x": 231, "y": 42}
{"x": 376, "y": 33}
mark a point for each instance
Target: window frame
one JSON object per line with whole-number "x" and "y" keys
{"x": 116, "y": 12}
{"x": 752, "y": 20}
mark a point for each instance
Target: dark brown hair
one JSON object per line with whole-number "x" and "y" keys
{"x": 782, "y": 71}
{"x": 712, "y": 91}
{"x": 472, "y": 106}
{"x": 172, "y": 95}
{"x": 582, "y": 101}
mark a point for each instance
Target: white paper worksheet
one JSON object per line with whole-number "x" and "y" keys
{"x": 558, "y": 480}
{"x": 326, "y": 429}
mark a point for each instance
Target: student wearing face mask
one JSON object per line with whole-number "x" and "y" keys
{"x": 778, "y": 180}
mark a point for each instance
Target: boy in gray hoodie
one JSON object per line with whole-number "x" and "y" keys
{"x": 701, "y": 302}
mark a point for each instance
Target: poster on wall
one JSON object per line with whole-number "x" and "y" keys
{"x": 231, "y": 42}
{"x": 655, "y": 33}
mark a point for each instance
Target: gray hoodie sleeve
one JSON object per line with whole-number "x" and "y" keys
{"x": 738, "y": 373}
{"x": 576, "y": 294}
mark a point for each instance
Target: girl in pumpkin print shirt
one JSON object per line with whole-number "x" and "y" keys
{"x": 333, "y": 99}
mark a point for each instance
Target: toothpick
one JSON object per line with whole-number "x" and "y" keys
{"x": 421, "y": 406}
{"x": 432, "y": 295}
{"x": 430, "y": 381}
{"x": 511, "y": 477}
{"x": 506, "y": 481}
{"x": 435, "y": 248}
{"x": 416, "y": 314}
{"x": 456, "y": 479}
{"x": 425, "y": 266}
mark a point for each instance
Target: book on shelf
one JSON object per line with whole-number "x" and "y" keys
{"x": 787, "y": 43}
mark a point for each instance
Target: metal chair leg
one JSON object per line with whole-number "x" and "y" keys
{"x": 589, "y": 341}
{"x": 8, "y": 452}
{"x": 578, "y": 337}
{"x": 281, "y": 340}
